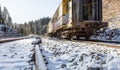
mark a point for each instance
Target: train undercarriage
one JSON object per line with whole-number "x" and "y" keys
{"x": 85, "y": 29}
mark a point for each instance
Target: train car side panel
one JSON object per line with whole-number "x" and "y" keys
{"x": 58, "y": 23}
{"x": 50, "y": 27}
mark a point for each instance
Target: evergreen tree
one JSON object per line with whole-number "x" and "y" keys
{"x": 34, "y": 27}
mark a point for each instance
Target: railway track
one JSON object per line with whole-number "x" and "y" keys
{"x": 112, "y": 44}
{"x": 37, "y": 58}
{"x": 93, "y": 40}
{"x": 63, "y": 50}
{"x": 16, "y": 54}
{"x": 12, "y": 39}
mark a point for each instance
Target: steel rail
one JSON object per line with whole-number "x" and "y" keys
{"x": 111, "y": 44}
{"x": 13, "y": 39}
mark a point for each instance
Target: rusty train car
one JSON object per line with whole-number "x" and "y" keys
{"x": 80, "y": 18}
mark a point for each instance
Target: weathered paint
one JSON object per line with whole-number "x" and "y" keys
{"x": 111, "y": 12}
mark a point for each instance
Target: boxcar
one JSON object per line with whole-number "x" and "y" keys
{"x": 80, "y": 18}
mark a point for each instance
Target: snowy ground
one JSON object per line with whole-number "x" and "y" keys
{"x": 17, "y": 55}
{"x": 107, "y": 34}
{"x": 67, "y": 55}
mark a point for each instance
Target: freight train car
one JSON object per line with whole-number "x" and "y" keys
{"x": 80, "y": 18}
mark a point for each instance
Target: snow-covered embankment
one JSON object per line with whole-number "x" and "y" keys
{"x": 107, "y": 35}
{"x": 67, "y": 55}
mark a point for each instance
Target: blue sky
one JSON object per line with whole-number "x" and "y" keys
{"x": 25, "y": 10}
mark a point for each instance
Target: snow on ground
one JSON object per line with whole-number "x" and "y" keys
{"x": 107, "y": 34}
{"x": 17, "y": 55}
{"x": 67, "y": 55}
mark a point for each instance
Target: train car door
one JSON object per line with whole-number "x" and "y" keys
{"x": 92, "y": 10}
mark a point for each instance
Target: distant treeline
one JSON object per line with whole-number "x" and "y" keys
{"x": 33, "y": 27}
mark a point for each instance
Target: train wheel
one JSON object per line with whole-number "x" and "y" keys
{"x": 58, "y": 35}
{"x": 68, "y": 36}
{"x": 77, "y": 37}
{"x": 87, "y": 36}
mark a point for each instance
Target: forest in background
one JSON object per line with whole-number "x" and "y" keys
{"x": 32, "y": 27}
